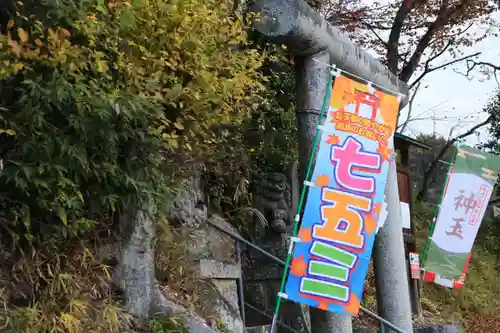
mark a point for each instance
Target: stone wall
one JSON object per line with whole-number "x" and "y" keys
{"x": 212, "y": 257}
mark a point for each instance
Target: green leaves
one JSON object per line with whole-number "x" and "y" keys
{"x": 127, "y": 19}
{"x": 108, "y": 94}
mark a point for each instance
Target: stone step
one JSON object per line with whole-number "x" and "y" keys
{"x": 258, "y": 329}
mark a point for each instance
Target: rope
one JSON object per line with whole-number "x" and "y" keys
{"x": 432, "y": 225}
{"x": 301, "y": 201}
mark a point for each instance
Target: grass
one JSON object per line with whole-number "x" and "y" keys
{"x": 478, "y": 298}
{"x": 70, "y": 290}
{"x": 475, "y": 306}
{"x": 47, "y": 291}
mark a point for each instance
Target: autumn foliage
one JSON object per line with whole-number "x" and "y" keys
{"x": 101, "y": 104}
{"x": 410, "y": 36}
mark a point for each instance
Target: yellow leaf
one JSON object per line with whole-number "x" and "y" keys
{"x": 65, "y": 32}
{"x": 23, "y": 35}
{"x": 16, "y": 68}
{"x": 71, "y": 323}
{"x": 7, "y": 131}
{"x": 52, "y": 35}
{"x": 80, "y": 196}
{"x": 10, "y": 24}
{"x": 38, "y": 42}
{"x": 101, "y": 66}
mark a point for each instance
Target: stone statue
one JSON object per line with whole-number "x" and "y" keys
{"x": 276, "y": 198}
{"x": 272, "y": 200}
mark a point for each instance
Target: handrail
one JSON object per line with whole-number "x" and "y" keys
{"x": 282, "y": 263}
{"x": 268, "y": 316}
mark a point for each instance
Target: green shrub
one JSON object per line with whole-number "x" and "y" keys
{"x": 103, "y": 102}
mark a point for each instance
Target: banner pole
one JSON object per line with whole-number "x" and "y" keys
{"x": 432, "y": 225}
{"x": 301, "y": 202}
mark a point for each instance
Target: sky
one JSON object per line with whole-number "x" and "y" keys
{"x": 446, "y": 93}
{"x": 451, "y": 95}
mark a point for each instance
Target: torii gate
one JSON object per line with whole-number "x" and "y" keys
{"x": 313, "y": 41}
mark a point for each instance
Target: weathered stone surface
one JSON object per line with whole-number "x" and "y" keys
{"x": 189, "y": 209}
{"x": 438, "y": 329}
{"x": 135, "y": 273}
{"x": 393, "y": 297}
{"x": 274, "y": 199}
{"x": 218, "y": 270}
{"x": 306, "y": 32}
{"x": 363, "y": 329}
{"x": 194, "y": 323}
{"x": 227, "y": 306}
{"x": 259, "y": 329}
{"x": 213, "y": 258}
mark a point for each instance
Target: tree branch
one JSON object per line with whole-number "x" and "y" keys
{"x": 410, "y": 108}
{"x": 444, "y": 16}
{"x": 378, "y": 37}
{"x": 427, "y": 175}
{"x": 428, "y": 69}
{"x": 395, "y": 35}
{"x": 471, "y": 65}
{"x": 424, "y": 42}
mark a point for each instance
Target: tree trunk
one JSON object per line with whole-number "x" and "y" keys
{"x": 422, "y": 194}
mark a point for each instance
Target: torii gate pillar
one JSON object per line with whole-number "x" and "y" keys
{"x": 308, "y": 36}
{"x": 312, "y": 79}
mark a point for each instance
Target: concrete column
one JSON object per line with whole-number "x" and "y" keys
{"x": 393, "y": 297}
{"x": 312, "y": 79}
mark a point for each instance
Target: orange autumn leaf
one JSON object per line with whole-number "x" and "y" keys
{"x": 376, "y": 209}
{"x": 299, "y": 267}
{"x": 383, "y": 142}
{"x": 370, "y": 224}
{"x": 305, "y": 235}
{"x": 322, "y": 180}
{"x": 323, "y": 305}
{"x": 385, "y": 152}
{"x": 352, "y": 307}
{"x": 332, "y": 139}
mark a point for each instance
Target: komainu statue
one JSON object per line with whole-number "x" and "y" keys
{"x": 276, "y": 198}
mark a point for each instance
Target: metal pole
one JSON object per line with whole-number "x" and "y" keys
{"x": 244, "y": 241}
{"x": 240, "y": 285}
{"x": 383, "y": 322}
{"x": 393, "y": 296}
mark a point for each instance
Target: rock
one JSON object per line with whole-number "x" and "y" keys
{"x": 438, "y": 329}
{"x": 220, "y": 270}
{"x": 135, "y": 273}
{"x": 211, "y": 254}
{"x": 363, "y": 329}
{"x": 189, "y": 209}
{"x": 259, "y": 329}
{"x": 194, "y": 323}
